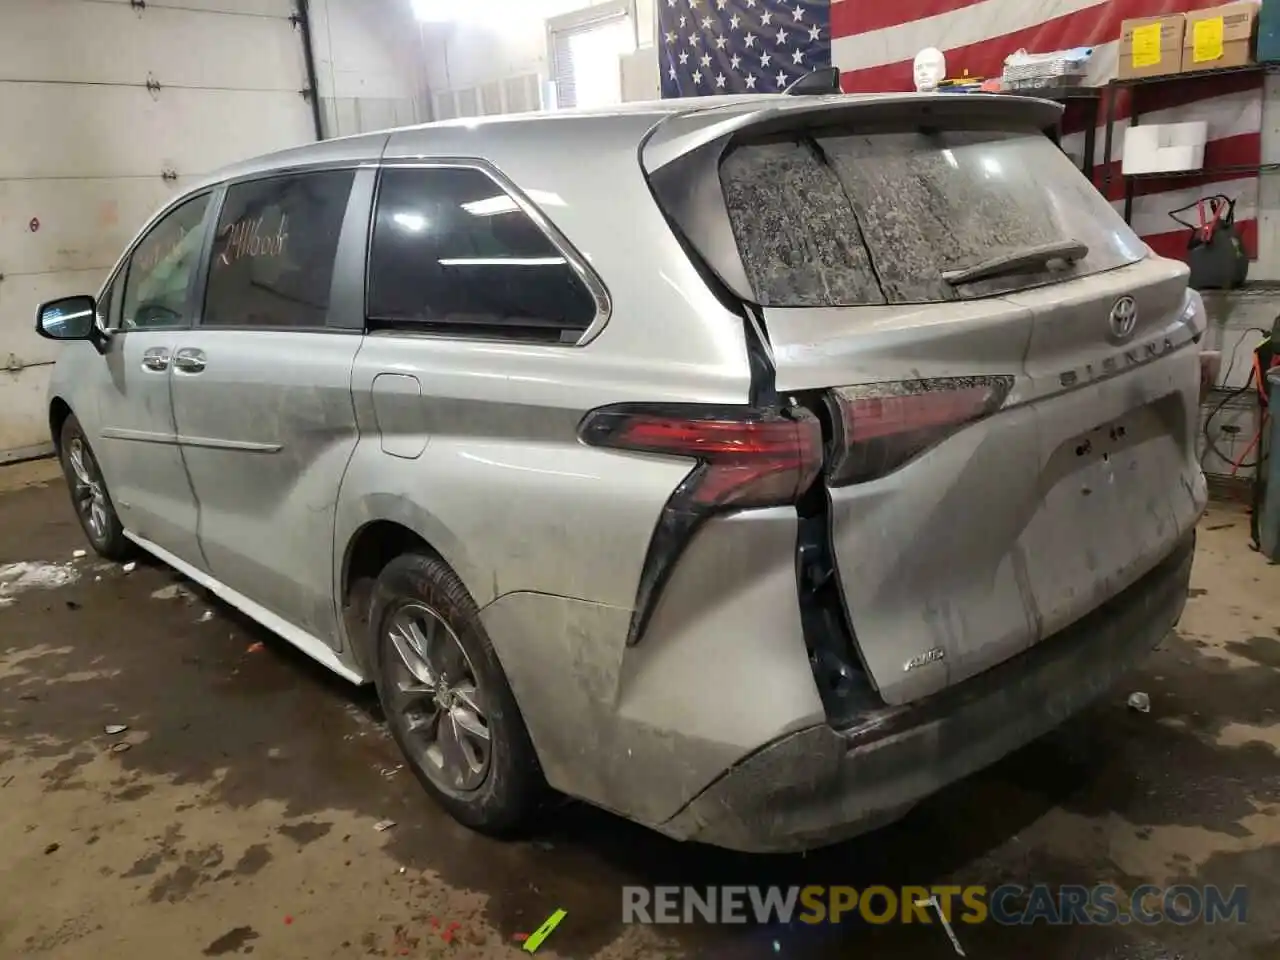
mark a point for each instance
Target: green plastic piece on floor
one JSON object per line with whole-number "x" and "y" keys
{"x": 544, "y": 931}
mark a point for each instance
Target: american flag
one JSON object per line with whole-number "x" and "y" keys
{"x": 874, "y": 43}
{"x": 709, "y": 47}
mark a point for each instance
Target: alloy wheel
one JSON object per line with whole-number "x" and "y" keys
{"x": 436, "y": 699}
{"x": 87, "y": 490}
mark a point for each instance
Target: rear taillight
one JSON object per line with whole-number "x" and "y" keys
{"x": 881, "y": 426}
{"x": 748, "y": 457}
{"x": 745, "y": 457}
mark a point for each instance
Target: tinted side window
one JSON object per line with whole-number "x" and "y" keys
{"x": 274, "y": 251}
{"x": 452, "y": 252}
{"x": 161, "y": 268}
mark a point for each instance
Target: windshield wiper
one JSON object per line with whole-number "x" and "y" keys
{"x": 1037, "y": 256}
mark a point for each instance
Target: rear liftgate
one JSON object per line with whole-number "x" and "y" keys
{"x": 865, "y": 369}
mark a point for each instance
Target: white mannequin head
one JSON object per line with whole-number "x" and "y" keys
{"x": 930, "y": 69}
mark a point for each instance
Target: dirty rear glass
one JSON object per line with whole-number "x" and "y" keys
{"x": 878, "y": 218}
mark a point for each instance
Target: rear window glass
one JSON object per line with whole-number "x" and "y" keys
{"x": 879, "y": 218}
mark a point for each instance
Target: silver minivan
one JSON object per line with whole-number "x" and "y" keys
{"x": 752, "y": 467}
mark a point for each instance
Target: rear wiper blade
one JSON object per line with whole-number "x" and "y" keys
{"x": 1037, "y": 256}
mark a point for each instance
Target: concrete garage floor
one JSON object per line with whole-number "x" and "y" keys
{"x": 241, "y": 819}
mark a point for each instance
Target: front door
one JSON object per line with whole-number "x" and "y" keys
{"x": 149, "y": 311}
{"x": 262, "y": 392}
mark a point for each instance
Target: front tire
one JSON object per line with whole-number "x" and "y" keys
{"x": 446, "y": 698}
{"x": 89, "y": 496}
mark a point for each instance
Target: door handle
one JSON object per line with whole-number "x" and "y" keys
{"x": 189, "y": 360}
{"x": 156, "y": 360}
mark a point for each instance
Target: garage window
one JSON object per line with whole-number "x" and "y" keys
{"x": 453, "y": 252}
{"x": 586, "y": 47}
{"x": 273, "y": 255}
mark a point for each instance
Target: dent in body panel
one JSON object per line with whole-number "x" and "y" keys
{"x": 504, "y": 471}
{"x": 926, "y": 564}
{"x": 1071, "y": 343}
{"x": 852, "y": 345}
{"x": 721, "y": 670}
{"x": 1116, "y": 461}
{"x": 820, "y": 785}
{"x": 1051, "y": 507}
{"x": 533, "y": 516}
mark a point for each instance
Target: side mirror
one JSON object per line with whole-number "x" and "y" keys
{"x": 69, "y": 318}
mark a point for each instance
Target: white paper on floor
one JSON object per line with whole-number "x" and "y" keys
{"x": 16, "y": 578}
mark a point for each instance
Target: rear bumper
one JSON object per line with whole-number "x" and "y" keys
{"x": 820, "y": 785}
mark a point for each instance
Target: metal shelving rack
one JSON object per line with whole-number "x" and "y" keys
{"x": 1090, "y": 97}
{"x": 1134, "y": 84}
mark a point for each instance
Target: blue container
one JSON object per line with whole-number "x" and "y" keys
{"x": 1269, "y": 32}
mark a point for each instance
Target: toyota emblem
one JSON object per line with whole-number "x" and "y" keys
{"x": 1124, "y": 317}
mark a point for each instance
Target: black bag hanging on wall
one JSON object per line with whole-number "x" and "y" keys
{"x": 1215, "y": 253}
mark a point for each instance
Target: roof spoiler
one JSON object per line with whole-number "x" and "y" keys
{"x": 818, "y": 83}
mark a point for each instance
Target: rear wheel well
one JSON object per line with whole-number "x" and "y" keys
{"x": 374, "y": 546}
{"x": 58, "y": 413}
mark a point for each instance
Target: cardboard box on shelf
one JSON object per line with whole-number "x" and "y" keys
{"x": 1219, "y": 37}
{"x": 1164, "y": 147}
{"x": 1151, "y": 46}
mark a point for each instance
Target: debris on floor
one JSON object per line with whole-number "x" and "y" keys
{"x": 130, "y": 567}
{"x": 403, "y": 943}
{"x": 221, "y": 764}
{"x": 175, "y": 591}
{"x": 205, "y": 617}
{"x": 121, "y": 747}
{"x": 79, "y": 554}
{"x": 535, "y": 939}
{"x": 255, "y": 647}
{"x": 946, "y": 924}
{"x": 111, "y": 729}
{"x": 1139, "y": 701}
{"x": 16, "y": 578}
